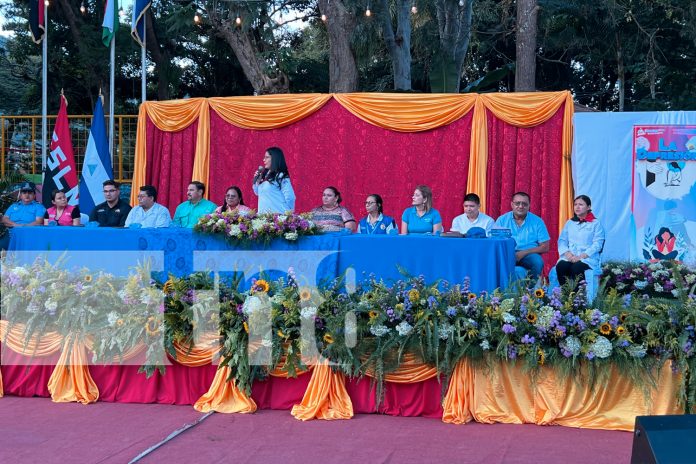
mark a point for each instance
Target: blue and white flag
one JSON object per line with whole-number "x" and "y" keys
{"x": 138, "y": 25}
{"x": 96, "y": 167}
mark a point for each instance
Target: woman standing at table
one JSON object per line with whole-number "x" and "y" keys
{"x": 272, "y": 184}
{"x": 421, "y": 217}
{"x": 233, "y": 202}
{"x": 331, "y": 216}
{"x": 61, "y": 213}
{"x": 580, "y": 242}
{"x": 376, "y": 222}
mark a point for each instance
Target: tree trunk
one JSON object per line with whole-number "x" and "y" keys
{"x": 160, "y": 56}
{"x": 399, "y": 46}
{"x": 454, "y": 29}
{"x": 525, "y": 73}
{"x": 340, "y": 24}
{"x": 249, "y": 56}
{"x": 620, "y": 73}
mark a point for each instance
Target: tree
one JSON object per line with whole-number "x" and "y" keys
{"x": 454, "y": 30}
{"x": 399, "y": 41}
{"x": 341, "y": 22}
{"x": 525, "y": 72}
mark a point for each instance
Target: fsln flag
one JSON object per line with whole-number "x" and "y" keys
{"x": 36, "y": 20}
{"x": 110, "y": 23}
{"x": 138, "y": 25}
{"x": 60, "y": 172}
{"x": 97, "y": 165}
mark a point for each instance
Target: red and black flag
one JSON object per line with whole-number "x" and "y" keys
{"x": 36, "y": 20}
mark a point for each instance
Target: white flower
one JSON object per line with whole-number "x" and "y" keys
{"x": 658, "y": 287}
{"x": 257, "y": 224}
{"x": 308, "y": 312}
{"x": 235, "y": 231}
{"x": 220, "y": 223}
{"x": 690, "y": 278}
{"x": 252, "y": 305}
{"x": 291, "y": 236}
{"x": 282, "y": 218}
{"x": 444, "y": 331}
{"x": 112, "y": 317}
{"x": 55, "y": 286}
{"x": 379, "y": 330}
{"x": 404, "y": 328}
{"x": 616, "y": 271}
{"x": 601, "y": 347}
{"x": 545, "y": 317}
{"x": 620, "y": 286}
{"x": 637, "y": 351}
{"x": 640, "y": 284}
{"x": 485, "y": 345}
{"x": 675, "y": 292}
{"x": 20, "y": 271}
{"x": 571, "y": 344}
{"x": 507, "y": 305}
{"x": 51, "y": 305}
{"x": 508, "y": 318}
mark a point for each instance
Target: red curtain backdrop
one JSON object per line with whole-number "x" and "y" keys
{"x": 333, "y": 147}
{"x": 170, "y": 158}
{"x": 527, "y": 160}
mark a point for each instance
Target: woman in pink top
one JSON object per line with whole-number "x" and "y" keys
{"x": 61, "y": 212}
{"x": 233, "y": 202}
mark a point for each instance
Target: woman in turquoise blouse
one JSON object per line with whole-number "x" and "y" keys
{"x": 421, "y": 217}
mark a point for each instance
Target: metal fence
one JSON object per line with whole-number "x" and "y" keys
{"x": 20, "y": 143}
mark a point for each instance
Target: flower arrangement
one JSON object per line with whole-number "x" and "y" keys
{"x": 253, "y": 227}
{"x": 665, "y": 279}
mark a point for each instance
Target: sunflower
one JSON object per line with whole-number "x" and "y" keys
{"x": 542, "y": 357}
{"x": 531, "y": 317}
{"x": 539, "y": 293}
{"x": 281, "y": 334}
{"x": 261, "y": 286}
{"x": 119, "y": 323}
{"x": 413, "y": 294}
{"x": 620, "y": 330}
{"x": 168, "y": 286}
{"x": 623, "y": 317}
{"x": 305, "y": 294}
{"x": 399, "y": 307}
{"x": 328, "y": 338}
{"x": 373, "y": 314}
{"x": 605, "y": 328}
{"x": 246, "y": 327}
{"x": 471, "y": 296}
{"x": 88, "y": 278}
{"x": 151, "y": 326}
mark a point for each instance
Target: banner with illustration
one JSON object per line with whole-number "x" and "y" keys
{"x": 664, "y": 192}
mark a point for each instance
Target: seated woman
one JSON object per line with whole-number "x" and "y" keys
{"x": 421, "y": 218}
{"x": 61, "y": 212}
{"x": 665, "y": 241}
{"x": 331, "y": 216}
{"x": 376, "y": 222}
{"x": 233, "y": 202}
{"x": 580, "y": 242}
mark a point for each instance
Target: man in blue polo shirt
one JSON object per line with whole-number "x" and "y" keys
{"x": 188, "y": 212}
{"x": 530, "y": 234}
{"x": 26, "y": 212}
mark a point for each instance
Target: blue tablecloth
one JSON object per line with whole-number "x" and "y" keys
{"x": 488, "y": 262}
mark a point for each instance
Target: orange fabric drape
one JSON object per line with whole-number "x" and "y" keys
{"x": 407, "y": 112}
{"x": 70, "y": 380}
{"x": 326, "y": 396}
{"x": 173, "y": 116}
{"x": 224, "y": 396}
{"x": 2, "y": 392}
{"x": 200, "y": 354}
{"x": 267, "y": 111}
{"x": 409, "y": 371}
{"x": 504, "y": 393}
{"x": 45, "y": 345}
{"x": 521, "y": 110}
{"x": 128, "y": 355}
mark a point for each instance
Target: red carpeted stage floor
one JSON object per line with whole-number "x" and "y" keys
{"x": 37, "y": 430}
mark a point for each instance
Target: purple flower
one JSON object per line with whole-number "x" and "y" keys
{"x": 508, "y": 329}
{"x": 525, "y": 299}
{"x": 451, "y": 311}
{"x": 527, "y": 340}
{"x": 240, "y": 309}
{"x": 566, "y": 353}
{"x": 627, "y": 300}
{"x": 431, "y": 301}
{"x": 512, "y": 352}
{"x": 590, "y": 355}
{"x": 161, "y": 308}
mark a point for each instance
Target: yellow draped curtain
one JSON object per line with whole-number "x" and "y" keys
{"x": 397, "y": 112}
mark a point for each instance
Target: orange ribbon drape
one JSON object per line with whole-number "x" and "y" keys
{"x": 13, "y": 337}
{"x": 70, "y": 380}
{"x": 326, "y": 396}
{"x": 521, "y": 110}
{"x": 224, "y": 396}
{"x": 504, "y": 393}
{"x": 409, "y": 371}
{"x": 397, "y": 112}
{"x": 200, "y": 354}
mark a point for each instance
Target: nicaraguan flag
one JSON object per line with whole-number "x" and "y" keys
{"x": 138, "y": 25}
{"x": 96, "y": 167}
{"x": 110, "y": 23}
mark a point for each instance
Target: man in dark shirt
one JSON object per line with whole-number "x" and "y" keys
{"x": 114, "y": 211}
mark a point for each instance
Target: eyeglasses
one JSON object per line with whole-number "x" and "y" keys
{"x": 370, "y": 202}
{"x": 142, "y": 195}
{"x": 520, "y": 203}
{"x": 110, "y": 191}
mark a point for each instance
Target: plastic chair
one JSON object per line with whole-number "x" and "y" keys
{"x": 591, "y": 278}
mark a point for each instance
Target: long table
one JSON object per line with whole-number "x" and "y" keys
{"x": 488, "y": 262}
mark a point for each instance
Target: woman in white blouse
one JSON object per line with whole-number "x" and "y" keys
{"x": 580, "y": 242}
{"x": 272, "y": 184}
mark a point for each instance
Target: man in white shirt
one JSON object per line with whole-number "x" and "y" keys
{"x": 148, "y": 213}
{"x": 472, "y": 217}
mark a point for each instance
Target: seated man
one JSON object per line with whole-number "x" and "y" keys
{"x": 472, "y": 216}
{"x": 187, "y": 213}
{"x": 148, "y": 213}
{"x": 529, "y": 232}
{"x": 114, "y": 211}
{"x": 26, "y": 212}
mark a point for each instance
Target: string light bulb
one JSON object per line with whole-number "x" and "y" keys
{"x": 323, "y": 17}
{"x": 196, "y": 18}
{"x": 46, "y": 2}
{"x": 368, "y": 13}
{"x": 461, "y": 2}
{"x": 82, "y": 8}
{"x": 414, "y": 9}
{"x": 238, "y": 21}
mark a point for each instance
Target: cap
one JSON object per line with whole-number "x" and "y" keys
{"x": 476, "y": 232}
{"x": 26, "y": 186}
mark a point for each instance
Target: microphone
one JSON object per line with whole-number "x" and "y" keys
{"x": 259, "y": 174}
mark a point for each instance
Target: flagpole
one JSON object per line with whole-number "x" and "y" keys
{"x": 112, "y": 85}
{"x": 143, "y": 63}
{"x": 44, "y": 93}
